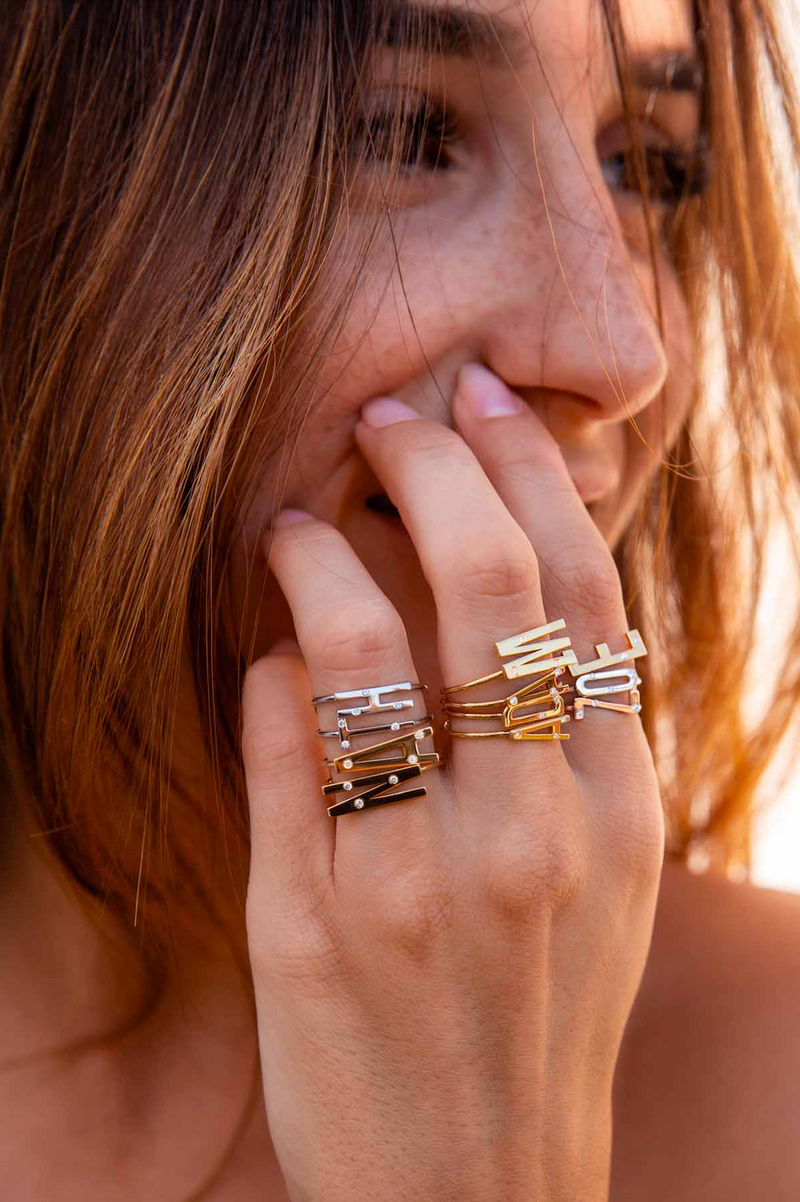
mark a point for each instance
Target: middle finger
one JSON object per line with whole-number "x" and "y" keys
{"x": 482, "y": 570}
{"x": 487, "y": 546}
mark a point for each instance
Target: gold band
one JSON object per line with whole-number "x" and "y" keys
{"x": 539, "y": 656}
{"x": 549, "y": 658}
{"x": 539, "y": 724}
{"x": 371, "y": 772}
{"x": 629, "y": 680}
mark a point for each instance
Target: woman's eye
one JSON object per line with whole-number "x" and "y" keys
{"x": 671, "y": 175}
{"x": 414, "y": 139}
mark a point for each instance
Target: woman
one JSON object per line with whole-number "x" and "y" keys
{"x": 359, "y": 347}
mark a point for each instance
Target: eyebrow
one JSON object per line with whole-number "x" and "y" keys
{"x": 465, "y": 33}
{"x": 452, "y": 32}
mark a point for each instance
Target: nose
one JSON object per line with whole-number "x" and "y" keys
{"x": 572, "y": 306}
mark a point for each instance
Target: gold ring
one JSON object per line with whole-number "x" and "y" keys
{"x": 548, "y": 659}
{"x": 514, "y": 712}
{"x": 397, "y": 759}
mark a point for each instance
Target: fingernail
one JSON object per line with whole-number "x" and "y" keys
{"x": 484, "y": 394}
{"x": 385, "y": 411}
{"x": 287, "y": 517}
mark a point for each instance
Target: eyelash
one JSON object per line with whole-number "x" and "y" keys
{"x": 673, "y": 175}
{"x": 426, "y": 133}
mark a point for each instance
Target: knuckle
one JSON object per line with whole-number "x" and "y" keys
{"x": 589, "y": 580}
{"x": 415, "y": 912}
{"x": 369, "y": 632}
{"x": 527, "y": 875}
{"x": 297, "y": 946}
{"x": 301, "y": 539}
{"x": 430, "y": 441}
{"x": 510, "y": 573}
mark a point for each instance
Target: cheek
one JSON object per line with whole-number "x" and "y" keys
{"x": 428, "y": 292}
{"x": 399, "y": 321}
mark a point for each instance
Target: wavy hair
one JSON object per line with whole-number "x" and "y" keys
{"x": 172, "y": 180}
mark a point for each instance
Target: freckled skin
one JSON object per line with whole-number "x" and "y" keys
{"x": 557, "y": 298}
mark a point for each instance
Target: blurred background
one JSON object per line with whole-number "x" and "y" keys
{"x": 776, "y": 833}
{"x": 776, "y": 862}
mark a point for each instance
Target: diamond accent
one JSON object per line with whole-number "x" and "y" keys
{"x": 398, "y": 705}
{"x": 418, "y": 734}
{"x": 513, "y": 700}
{"x": 359, "y": 803}
{"x": 516, "y": 735}
{"x": 348, "y": 764}
{"x": 412, "y": 759}
{"x": 395, "y": 726}
{"x": 342, "y": 723}
{"x": 345, "y": 743}
{"x": 347, "y": 786}
{"x": 393, "y": 780}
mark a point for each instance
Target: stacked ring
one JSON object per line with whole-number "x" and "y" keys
{"x": 603, "y": 670}
{"x": 547, "y": 659}
{"x": 541, "y": 658}
{"x": 398, "y": 759}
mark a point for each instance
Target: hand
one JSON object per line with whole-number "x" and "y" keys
{"x": 442, "y": 985}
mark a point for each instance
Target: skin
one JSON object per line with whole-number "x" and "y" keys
{"x": 495, "y": 538}
{"x": 572, "y": 332}
{"x": 484, "y": 285}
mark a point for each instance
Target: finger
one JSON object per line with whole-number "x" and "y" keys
{"x": 290, "y": 855}
{"x": 478, "y": 561}
{"x": 579, "y": 578}
{"x": 353, "y": 638}
{"x": 483, "y": 573}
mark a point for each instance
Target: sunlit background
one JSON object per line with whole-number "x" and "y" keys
{"x": 776, "y": 861}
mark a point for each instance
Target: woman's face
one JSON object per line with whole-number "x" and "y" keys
{"x": 518, "y": 241}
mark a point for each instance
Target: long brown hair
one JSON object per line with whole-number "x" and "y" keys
{"x": 171, "y": 183}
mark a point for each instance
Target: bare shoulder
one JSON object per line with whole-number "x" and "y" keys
{"x": 707, "y": 1096}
